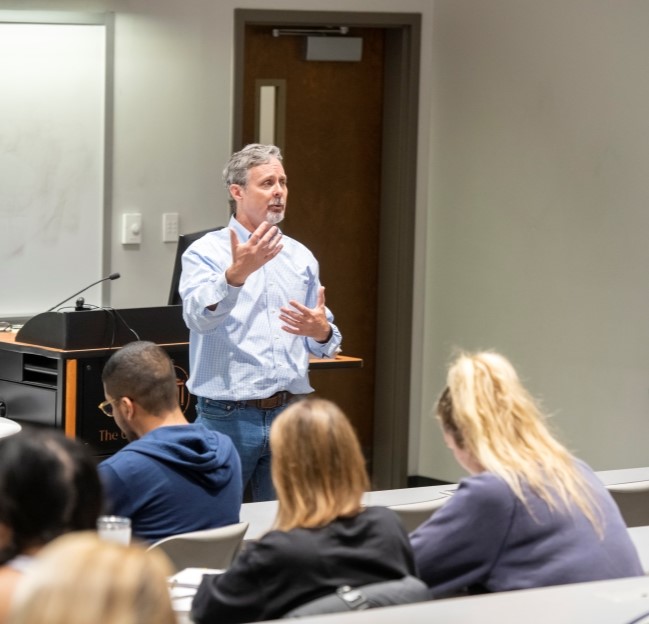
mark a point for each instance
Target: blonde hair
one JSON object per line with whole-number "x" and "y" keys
{"x": 318, "y": 468}
{"x": 80, "y": 579}
{"x": 489, "y": 414}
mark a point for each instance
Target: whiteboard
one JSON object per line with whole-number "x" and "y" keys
{"x": 52, "y": 134}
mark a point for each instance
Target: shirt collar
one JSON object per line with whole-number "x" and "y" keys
{"x": 242, "y": 232}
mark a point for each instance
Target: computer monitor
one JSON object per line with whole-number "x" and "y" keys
{"x": 184, "y": 241}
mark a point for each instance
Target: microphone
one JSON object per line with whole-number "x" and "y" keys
{"x": 112, "y": 276}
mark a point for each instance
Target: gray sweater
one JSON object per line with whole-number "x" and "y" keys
{"x": 484, "y": 539}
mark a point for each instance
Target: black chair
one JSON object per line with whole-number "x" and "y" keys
{"x": 184, "y": 241}
{"x": 383, "y": 594}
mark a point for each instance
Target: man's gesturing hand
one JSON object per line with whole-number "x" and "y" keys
{"x": 262, "y": 246}
{"x": 303, "y": 321}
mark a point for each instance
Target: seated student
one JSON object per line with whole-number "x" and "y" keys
{"x": 48, "y": 486}
{"x": 323, "y": 537}
{"x": 531, "y": 514}
{"x": 80, "y": 579}
{"x": 174, "y": 476}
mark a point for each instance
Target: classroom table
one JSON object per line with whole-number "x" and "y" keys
{"x": 260, "y": 516}
{"x": 619, "y": 601}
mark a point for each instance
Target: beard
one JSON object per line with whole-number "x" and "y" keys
{"x": 275, "y": 217}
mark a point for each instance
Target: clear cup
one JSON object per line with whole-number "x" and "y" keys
{"x": 114, "y": 529}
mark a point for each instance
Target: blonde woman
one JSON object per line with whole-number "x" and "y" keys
{"x": 323, "y": 537}
{"x": 81, "y": 579}
{"x": 530, "y": 514}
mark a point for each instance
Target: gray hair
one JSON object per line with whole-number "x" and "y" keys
{"x": 253, "y": 155}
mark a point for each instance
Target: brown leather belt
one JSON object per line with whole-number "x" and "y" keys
{"x": 276, "y": 400}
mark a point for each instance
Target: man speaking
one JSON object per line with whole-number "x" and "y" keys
{"x": 255, "y": 308}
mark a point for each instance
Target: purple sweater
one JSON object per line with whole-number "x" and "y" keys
{"x": 484, "y": 539}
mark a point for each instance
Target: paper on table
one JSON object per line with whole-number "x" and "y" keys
{"x": 191, "y": 577}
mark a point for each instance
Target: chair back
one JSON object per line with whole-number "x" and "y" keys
{"x": 383, "y": 594}
{"x": 633, "y": 501}
{"x": 210, "y": 548}
{"x": 414, "y": 514}
{"x": 184, "y": 241}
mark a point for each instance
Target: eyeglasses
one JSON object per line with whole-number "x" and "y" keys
{"x": 107, "y": 406}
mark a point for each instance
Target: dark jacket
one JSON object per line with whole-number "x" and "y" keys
{"x": 174, "y": 480}
{"x": 285, "y": 569}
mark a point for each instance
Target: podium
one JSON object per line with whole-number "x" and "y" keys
{"x": 104, "y": 328}
{"x": 50, "y": 371}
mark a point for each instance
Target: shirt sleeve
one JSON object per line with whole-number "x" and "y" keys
{"x": 203, "y": 284}
{"x": 326, "y": 349}
{"x": 458, "y": 546}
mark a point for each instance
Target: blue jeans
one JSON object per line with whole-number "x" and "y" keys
{"x": 249, "y": 429}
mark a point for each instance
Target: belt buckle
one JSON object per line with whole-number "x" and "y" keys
{"x": 274, "y": 401}
{"x": 278, "y": 399}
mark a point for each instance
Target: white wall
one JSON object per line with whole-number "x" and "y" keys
{"x": 540, "y": 213}
{"x": 173, "y": 119}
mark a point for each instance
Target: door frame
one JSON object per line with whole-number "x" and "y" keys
{"x": 397, "y": 214}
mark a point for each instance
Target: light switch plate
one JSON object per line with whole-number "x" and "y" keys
{"x": 131, "y": 228}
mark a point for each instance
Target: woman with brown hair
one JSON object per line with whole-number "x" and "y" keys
{"x": 530, "y": 514}
{"x": 323, "y": 537}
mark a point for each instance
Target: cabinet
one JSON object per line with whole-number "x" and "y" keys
{"x": 63, "y": 389}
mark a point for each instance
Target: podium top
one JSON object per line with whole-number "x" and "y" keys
{"x": 104, "y": 328}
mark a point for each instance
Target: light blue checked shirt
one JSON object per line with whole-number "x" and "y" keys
{"x": 239, "y": 351}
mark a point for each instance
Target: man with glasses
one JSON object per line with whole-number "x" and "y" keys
{"x": 174, "y": 476}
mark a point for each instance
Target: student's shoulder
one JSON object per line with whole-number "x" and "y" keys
{"x": 485, "y": 489}
{"x": 379, "y": 514}
{"x": 128, "y": 458}
{"x": 280, "y": 548}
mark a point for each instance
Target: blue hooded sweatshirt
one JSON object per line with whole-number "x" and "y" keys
{"x": 174, "y": 480}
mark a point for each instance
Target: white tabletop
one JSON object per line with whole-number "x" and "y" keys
{"x": 8, "y": 427}
{"x": 260, "y": 516}
{"x": 625, "y": 475}
{"x": 603, "y": 602}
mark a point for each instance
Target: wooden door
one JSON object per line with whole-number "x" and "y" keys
{"x": 332, "y": 156}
